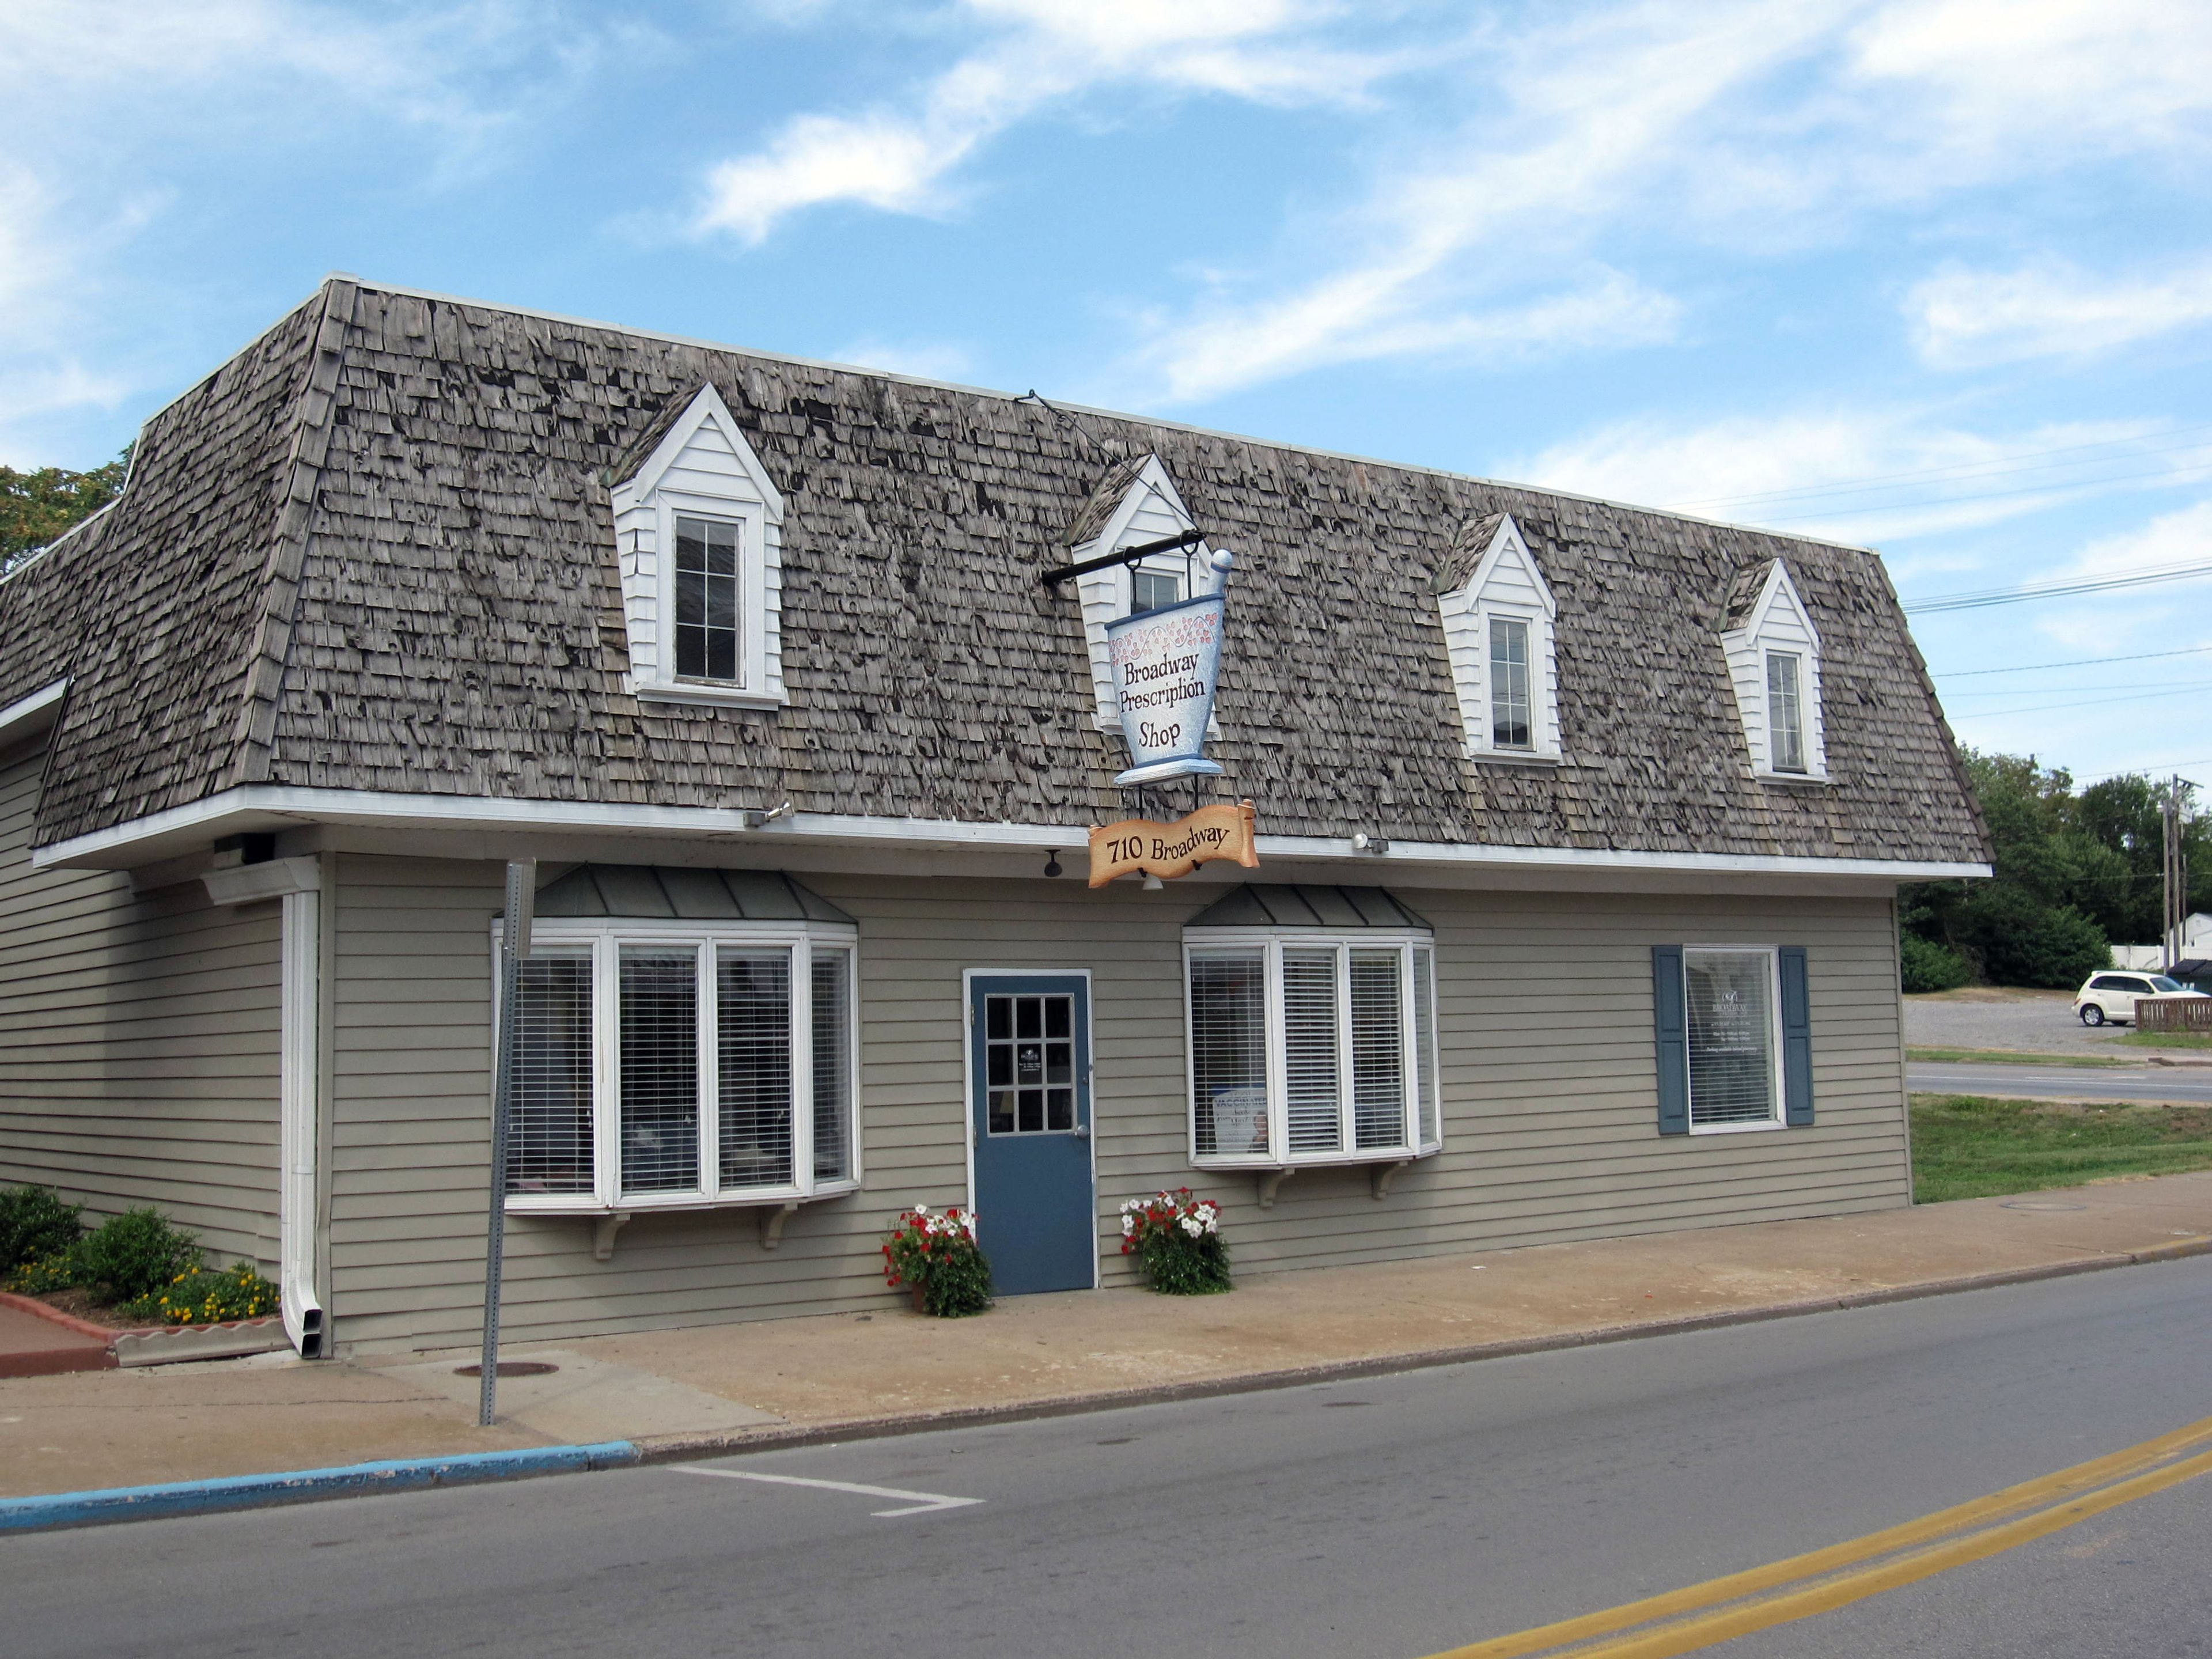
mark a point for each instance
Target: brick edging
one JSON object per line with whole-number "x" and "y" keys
{"x": 82, "y": 1327}
{"x": 665, "y": 1448}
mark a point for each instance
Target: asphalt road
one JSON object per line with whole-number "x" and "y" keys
{"x": 1392, "y": 1517}
{"x": 2187, "y": 1083}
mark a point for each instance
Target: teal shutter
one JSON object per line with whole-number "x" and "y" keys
{"x": 1797, "y": 1040}
{"x": 1670, "y": 1027}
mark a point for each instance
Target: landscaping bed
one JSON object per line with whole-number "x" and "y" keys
{"x": 1972, "y": 1146}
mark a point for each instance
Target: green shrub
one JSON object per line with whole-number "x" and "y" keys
{"x": 203, "y": 1296}
{"x": 1177, "y": 1240}
{"x": 1928, "y": 966}
{"x": 35, "y": 1224}
{"x": 936, "y": 1253}
{"x": 48, "y": 1272}
{"x": 134, "y": 1254}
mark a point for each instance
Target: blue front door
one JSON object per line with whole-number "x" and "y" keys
{"x": 1029, "y": 1040}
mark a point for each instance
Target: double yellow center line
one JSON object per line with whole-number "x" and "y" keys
{"x": 1720, "y": 1609}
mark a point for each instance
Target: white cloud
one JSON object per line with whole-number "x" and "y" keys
{"x": 2049, "y": 308}
{"x": 1867, "y": 476}
{"x": 897, "y": 158}
{"x": 926, "y": 360}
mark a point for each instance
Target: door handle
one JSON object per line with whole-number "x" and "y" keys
{"x": 1083, "y": 1132}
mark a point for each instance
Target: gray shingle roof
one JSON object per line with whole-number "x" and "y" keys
{"x": 375, "y": 552}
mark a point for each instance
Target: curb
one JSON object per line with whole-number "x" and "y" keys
{"x": 85, "y": 1509}
{"x": 665, "y": 1448}
{"x": 31, "y": 1305}
{"x": 91, "y": 1509}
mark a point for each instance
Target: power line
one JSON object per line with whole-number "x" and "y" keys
{"x": 2078, "y": 662}
{"x": 1961, "y": 468}
{"x": 2174, "y": 475}
{"x": 2048, "y": 590}
{"x": 2077, "y": 702}
{"x": 2085, "y": 691}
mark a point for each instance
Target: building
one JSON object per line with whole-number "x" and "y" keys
{"x": 1579, "y": 828}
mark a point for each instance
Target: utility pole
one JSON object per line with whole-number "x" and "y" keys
{"x": 2176, "y": 813}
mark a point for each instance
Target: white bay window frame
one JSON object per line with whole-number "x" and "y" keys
{"x": 604, "y": 939}
{"x": 1420, "y": 1120}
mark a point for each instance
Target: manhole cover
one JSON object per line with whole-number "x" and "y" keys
{"x": 2017, "y": 1204}
{"x": 512, "y": 1368}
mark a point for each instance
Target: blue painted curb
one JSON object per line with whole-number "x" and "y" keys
{"x": 248, "y": 1492}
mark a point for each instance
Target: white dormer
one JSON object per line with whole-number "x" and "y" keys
{"x": 1774, "y": 664}
{"x": 1144, "y": 508}
{"x": 700, "y": 526}
{"x": 1498, "y": 626}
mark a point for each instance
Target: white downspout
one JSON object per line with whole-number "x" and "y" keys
{"x": 299, "y": 1073}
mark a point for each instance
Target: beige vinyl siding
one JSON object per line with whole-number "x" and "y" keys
{"x": 1550, "y": 1108}
{"x": 138, "y": 1042}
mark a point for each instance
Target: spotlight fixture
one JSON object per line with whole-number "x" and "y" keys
{"x": 1052, "y": 866}
{"x": 1152, "y": 884}
{"x": 1365, "y": 842}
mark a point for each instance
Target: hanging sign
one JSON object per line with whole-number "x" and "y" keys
{"x": 1134, "y": 845}
{"x": 1165, "y": 663}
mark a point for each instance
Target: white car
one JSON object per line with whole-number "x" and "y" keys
{"x": 2113, "y": 995}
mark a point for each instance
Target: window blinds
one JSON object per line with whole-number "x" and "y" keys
{"x": 660, "y": 1009}
{"x": 1378, "y": 1067}
{"x": 1229, "y": 1051}
{"x": 1731, "y": 1035}
{"x": 752, "y": 993}
{"x": 1310, "y": 1050}
{"x": 548, "y": 1147}
{"x": 831, "y": 984}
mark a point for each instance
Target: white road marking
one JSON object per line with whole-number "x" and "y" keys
{"x": 920, "y": 1503}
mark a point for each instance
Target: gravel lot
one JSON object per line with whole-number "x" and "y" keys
{"x": 2031, "y": 1021}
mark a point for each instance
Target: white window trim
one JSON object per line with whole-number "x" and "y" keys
{"x": 645, "y": 530}
{"x": 1746, "y": 649}
{"x": 1271, "y": 940}
{"x": 1779, "y": 1110}
{"x": 1466, "y": 612}
{"x": 605, "y": 936}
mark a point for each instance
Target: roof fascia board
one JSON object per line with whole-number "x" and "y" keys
{"x": 698, "y": 343}
{"x": 308, "y": 806}
{"x": 29, "y": 716}
{"x": 707, "y": 406}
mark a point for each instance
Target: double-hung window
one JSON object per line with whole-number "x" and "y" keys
{"x": 709, "y": 594}
{"x": 1151, "y": 589}
{"x": 1509, "y": 724}
{"x": 1311, "y": 1048}
{"x": 1785, "y": 709}
{"x": 672, "y": 1064}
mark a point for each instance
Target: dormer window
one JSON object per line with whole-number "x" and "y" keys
{"x": 699, "y": 525}
{"x": 1508, "y": 683}
{"x": 1151, "y": 589}
{"x": 1785, "y": 711}
{"x": 1774, "y": 664}
{"x": 1498, "y": 613}
{"x": 708, "y": 600}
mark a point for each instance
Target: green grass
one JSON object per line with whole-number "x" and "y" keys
{"x": 2165, "y": 1040}
{"x": 2011, "y": 1057}
{"x": 1970, "y": 1147}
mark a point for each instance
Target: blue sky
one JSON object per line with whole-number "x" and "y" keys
{"x": 1933, "y": 276}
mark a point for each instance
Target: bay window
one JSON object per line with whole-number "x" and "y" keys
{"x": 672, "y": 1064}
{"x": 1311, "y": 1048}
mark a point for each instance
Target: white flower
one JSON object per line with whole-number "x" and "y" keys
{"x": 1128, "y": 1225}
{"x": 1192, "y": 1225}
{"x": 922, "y": 1209}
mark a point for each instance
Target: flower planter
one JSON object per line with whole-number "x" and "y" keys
{"x": 166, "y": 1345}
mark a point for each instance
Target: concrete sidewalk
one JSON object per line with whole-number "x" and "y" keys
{"x": 727, "y": 1386}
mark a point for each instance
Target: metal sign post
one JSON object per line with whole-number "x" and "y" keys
{"x": 513, "y": 946}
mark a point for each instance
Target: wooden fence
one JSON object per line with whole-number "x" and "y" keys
{"x": 2174, "y": 1014}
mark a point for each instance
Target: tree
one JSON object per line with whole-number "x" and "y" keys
{"x": 37, "y": 506}
{"x": 2074, "y": 874}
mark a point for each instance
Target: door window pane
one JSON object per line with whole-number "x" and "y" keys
{"x": 1029, "y": 1053}
{"x": 1731, "y": 1026}
{"x": 1378, "y": 1072}
{"x": 706, "y": 598}
{"x": 833, "y": 1064}
{"x": 1785, "y": 712}
{"x": 1509, "y": 727}
{"x": 659, "y": 1045}
{"x": 752, "y": 991}
{"x": 549, "y": 1146}
{"x": 1229, "y": 1051}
